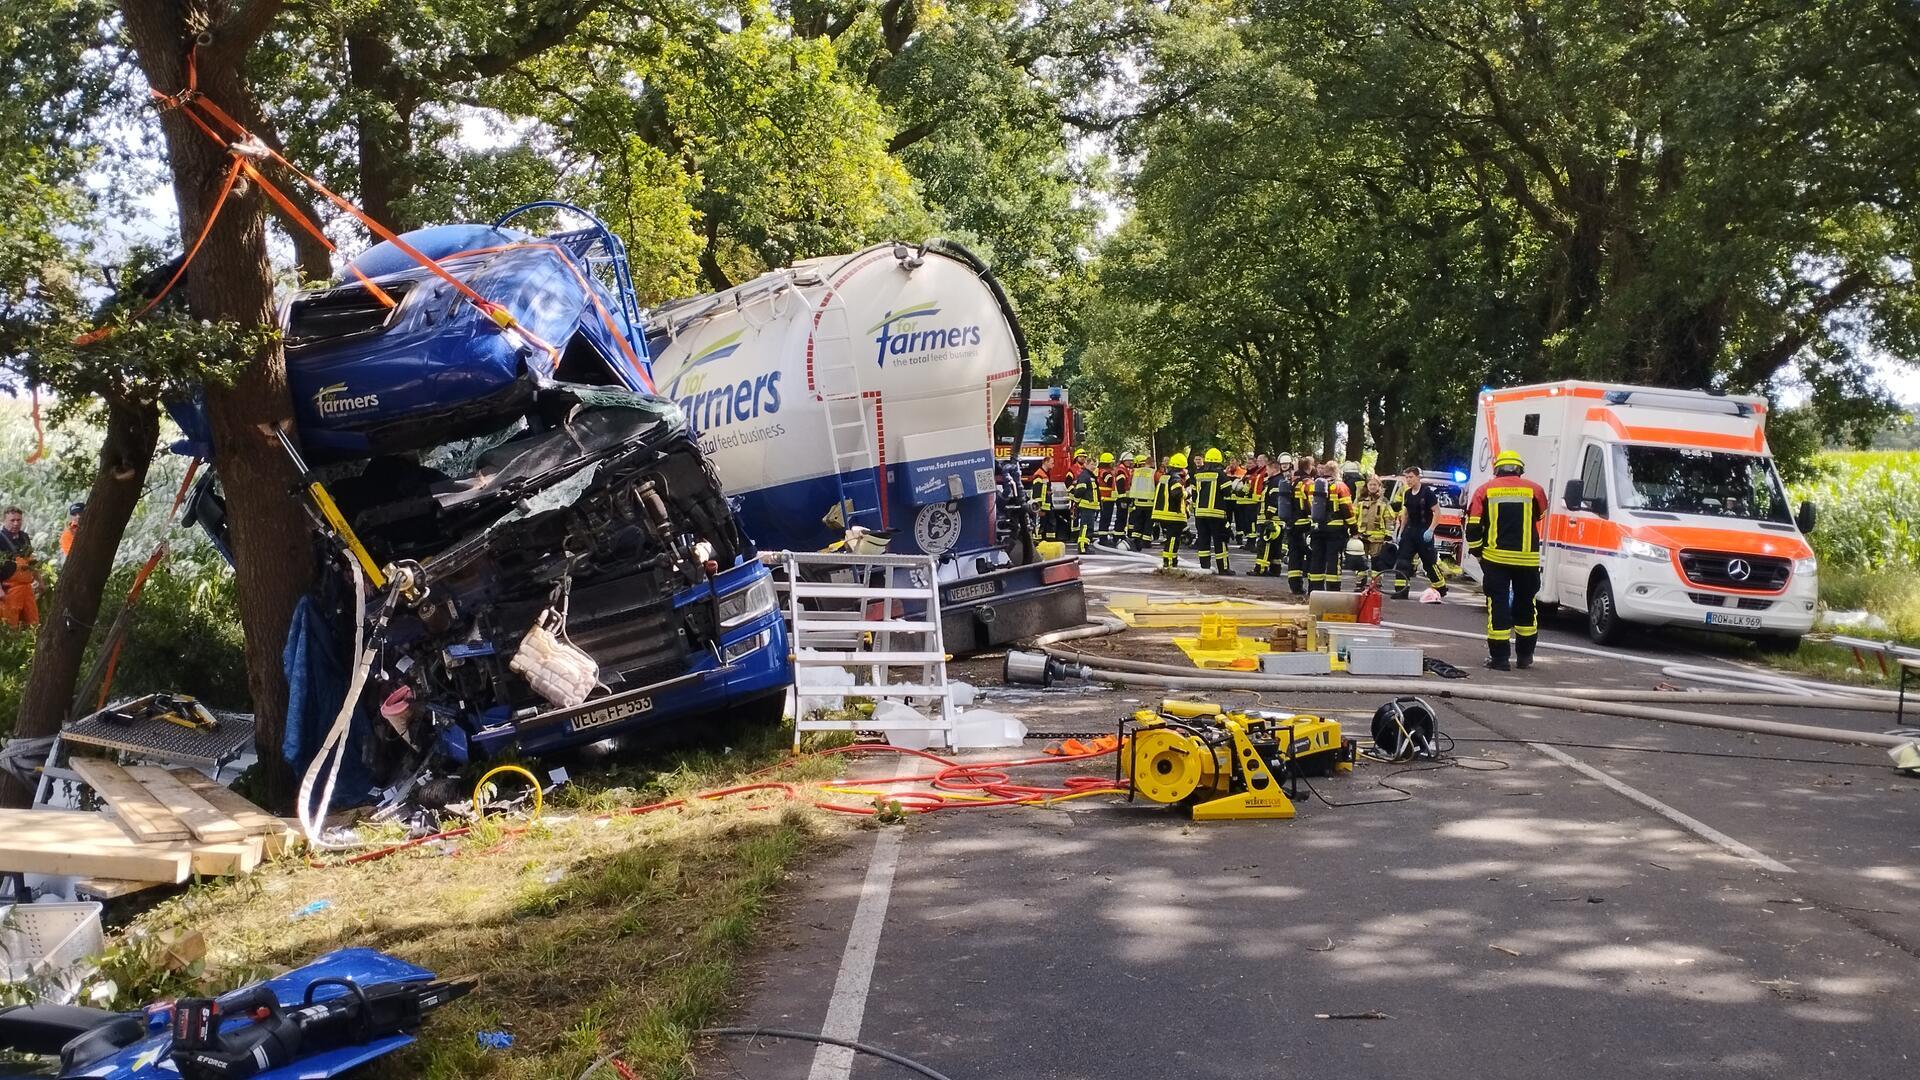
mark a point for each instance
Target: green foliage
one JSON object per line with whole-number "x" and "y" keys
{"x": 1357, "y": 213}
{"x": 1867, "y": 520}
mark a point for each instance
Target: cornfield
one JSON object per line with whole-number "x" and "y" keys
{"x": 1868, "y": 502}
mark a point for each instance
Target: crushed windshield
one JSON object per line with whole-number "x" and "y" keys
{"x": 1044, "y": 426}
{"x": 1705, "y": 482}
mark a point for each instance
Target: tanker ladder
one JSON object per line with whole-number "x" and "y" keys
{"x": 878, "y": 617}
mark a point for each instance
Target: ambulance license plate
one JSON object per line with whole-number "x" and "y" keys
{"x": 1734, "y": 621}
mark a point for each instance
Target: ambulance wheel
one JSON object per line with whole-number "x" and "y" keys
{"x": 1603, "y": 616}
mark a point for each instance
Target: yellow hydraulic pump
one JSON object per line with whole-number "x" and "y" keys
{"x": 1224, "y": 766}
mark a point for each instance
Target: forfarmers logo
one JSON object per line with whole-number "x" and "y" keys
{"x": 900, "y": 335}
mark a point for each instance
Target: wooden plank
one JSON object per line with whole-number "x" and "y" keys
{"x": 112, "y": 888}
{"x": 207, "y": 822}
{"x": 226, "y": 860}
{"x": 85, "y": 845}
{"x": 144, "y": 817}
{"x": 256, "y": 821}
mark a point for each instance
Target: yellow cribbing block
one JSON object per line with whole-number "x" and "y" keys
{"x": 1188, "y": 710}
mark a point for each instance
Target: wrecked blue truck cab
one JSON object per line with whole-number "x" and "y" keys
{"x": 513, "y": 451}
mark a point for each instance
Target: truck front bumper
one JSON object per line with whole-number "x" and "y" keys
{"x": 756, "y": 665}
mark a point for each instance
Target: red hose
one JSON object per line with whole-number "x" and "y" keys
{"x": 984, "y": 778}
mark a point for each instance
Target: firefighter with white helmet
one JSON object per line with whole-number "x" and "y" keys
{"x": 1503, "y": 525}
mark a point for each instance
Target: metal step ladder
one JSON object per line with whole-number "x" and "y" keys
{"x": 850, "y": 437}
{"x": 849, "y": 621}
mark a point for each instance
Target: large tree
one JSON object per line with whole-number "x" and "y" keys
{"x": 1394, "y": 202}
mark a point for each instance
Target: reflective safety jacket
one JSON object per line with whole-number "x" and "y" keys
{"x": 1376, "y": 518}
{"x": 1106, "y": 481}
{"x": 1303, "y": 500}
{"x": 1169, "y": 498}
{"x": 1210, "y": 492}
{"x": 1503, "y": 521}
{"x": 1141, "y": 482}
{"x": 1329, "y": 503}
{"x": 1086, "y": 490}
{"x": 1040, "y": 488}
{"x": 1276, "y": 498}
{"x": 1239, "y": 489}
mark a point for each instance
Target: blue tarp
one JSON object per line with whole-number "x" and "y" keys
{"x": 316, "y": 682}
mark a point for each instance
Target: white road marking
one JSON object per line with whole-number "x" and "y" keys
{"x": 1691, "y": 824}
{"x": 848, "y": 1006}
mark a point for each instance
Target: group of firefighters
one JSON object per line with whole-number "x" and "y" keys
{"x": 1302, "y": 518}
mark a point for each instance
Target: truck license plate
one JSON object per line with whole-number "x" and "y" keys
{"x": 614, "y": 713}
{"x": 1738, "y": 622}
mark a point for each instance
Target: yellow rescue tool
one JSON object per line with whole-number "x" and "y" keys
{"x": 1223, "y": 766}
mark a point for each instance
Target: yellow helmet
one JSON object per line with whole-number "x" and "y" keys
{"x": 1509, "y": 459}
{"x": 1177, "y": 461}
{"x": 1213, "y": 455}
{"x": 1142, "y": 459}
{"x": 1106, "y": 458}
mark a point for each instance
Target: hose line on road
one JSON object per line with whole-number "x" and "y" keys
{"x": 1596, "y": 701}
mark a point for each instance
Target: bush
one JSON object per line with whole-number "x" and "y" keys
{"x": 185, "y": 637}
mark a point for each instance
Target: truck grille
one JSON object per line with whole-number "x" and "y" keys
{"x": 629, "y": 629}
{"x": 1707, "y": 599}
{"x": 1719, "y": 570}
{"x": 1754, "y": 603}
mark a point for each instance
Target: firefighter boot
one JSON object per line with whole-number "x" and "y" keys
{"x": 1523, "y": 651}
{"x": 1497, "y": 655}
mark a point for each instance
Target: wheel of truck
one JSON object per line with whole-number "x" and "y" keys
{"x": 1603, "y": 616}
{"x": 1777, "y": 643}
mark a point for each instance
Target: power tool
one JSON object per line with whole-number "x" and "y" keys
{"x": 205, "y": 1047}
{"x": 1226, "y": 766}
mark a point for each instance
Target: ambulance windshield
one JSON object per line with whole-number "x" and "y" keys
{"x": 1710, "y": 483}
{"x": 1044, "y": 425}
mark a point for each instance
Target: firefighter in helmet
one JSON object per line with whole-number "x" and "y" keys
{"x": 1170, "y": 508}
{"x": 1503, "y": 531}
{"x": 1212, "y": 506}
{"x": 1085, "y": 488}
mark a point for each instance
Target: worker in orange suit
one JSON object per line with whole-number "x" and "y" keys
{"x": 66, "y": 534}
{"x": 18, "y": 579}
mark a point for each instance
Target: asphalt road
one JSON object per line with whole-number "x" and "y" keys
{"x": 1694, "y": 903}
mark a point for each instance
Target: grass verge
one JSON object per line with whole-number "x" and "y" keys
{"x": 585, "y": 935}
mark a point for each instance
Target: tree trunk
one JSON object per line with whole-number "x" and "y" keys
{"x": 125, "y": 453}
{"x": 385, "y": 130}
{"x": 232, "y": 281}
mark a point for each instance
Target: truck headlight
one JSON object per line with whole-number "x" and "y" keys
{"x": 1640, "y": 549}
{"x": 749, "y": 603}
{"x": 1807, "y": 565}
{"x": 751, "y": 644}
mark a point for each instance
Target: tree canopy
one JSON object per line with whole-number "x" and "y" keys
{"x": 1356, "y": 213}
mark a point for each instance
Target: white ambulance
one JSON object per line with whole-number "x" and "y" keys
{"x": 1665, "y": 508}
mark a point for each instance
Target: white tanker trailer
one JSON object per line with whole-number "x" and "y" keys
{"x": 862, "y": 390}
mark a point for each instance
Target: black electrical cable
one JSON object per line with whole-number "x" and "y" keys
{"x": 805, "y": 1036}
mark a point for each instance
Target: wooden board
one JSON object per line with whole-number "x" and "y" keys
{"x": 100, "y": 888}
{"x": 226, "y": 860}
{"x": 144, "y": 817}
{"x": 207, "y": 822}
{"x": 85, "y": 845}
{"x": 256, "y": 821}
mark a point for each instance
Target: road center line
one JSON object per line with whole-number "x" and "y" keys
{"x": 848, "y": 1006}
{"x": 1691, "y": 824}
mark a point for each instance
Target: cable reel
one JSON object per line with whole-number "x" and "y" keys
{"x": 1405, "y": 729}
